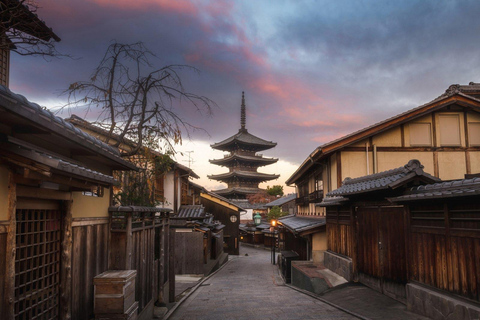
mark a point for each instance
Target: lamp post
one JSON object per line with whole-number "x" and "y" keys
{"x": 273, "y": 223}
{"x": 257, "y": 218}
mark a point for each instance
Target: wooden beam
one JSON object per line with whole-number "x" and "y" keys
{"x": 339, "y": 169}
{"x": 411, "y": 149}
{"x": 171, "y": 264}
{"x": 435, "y": 164}
{"x": 434, "y": 130}
{"x": 66, "y": 270}
{"x": 31, "y": 192}
{"x": 9, "y": 290}
{"x": 402, "y": 135}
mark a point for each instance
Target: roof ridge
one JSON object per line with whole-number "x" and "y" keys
{"x": 413, "y": 165}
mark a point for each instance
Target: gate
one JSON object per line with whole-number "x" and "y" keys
{"x": 37, "y": 260}
{"x": 381, "y": 250}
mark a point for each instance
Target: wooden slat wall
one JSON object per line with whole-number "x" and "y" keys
{"x": 89, "y": 258}
{"x": 368, "y": 250}
{"x": 143, "y": 261}
{"x": 188, "y": 253}
{"x": 445, "y": 248}
{"x": 339, "y": 231}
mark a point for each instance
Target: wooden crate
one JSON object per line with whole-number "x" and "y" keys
{"x": 114, "y": 292}
{"x": 131, "y": 314}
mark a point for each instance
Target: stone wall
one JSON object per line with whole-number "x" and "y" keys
{"x": 338, "y": 264}
{"x": 436, "y": 305}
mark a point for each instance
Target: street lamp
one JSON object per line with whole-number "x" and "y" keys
{"x": 273, "y": 223}
{"x": 257, "y": 218}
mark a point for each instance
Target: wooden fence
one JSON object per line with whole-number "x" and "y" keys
{"x": 134, "y": 247}
{"x": 340, "y": 230}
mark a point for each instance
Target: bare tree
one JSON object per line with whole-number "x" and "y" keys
{"x": 135, "y": 100}
{"x": 23, "y": 32}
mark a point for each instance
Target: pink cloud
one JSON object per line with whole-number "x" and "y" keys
{"x": 178, "y": 6}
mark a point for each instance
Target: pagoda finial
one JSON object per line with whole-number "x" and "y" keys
{"x": 242, "y": 116}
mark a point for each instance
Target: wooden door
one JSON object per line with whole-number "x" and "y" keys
{"x": 381, "y": 250}
{"x": 37, "y": 260}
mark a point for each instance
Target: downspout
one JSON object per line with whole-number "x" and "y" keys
{"x": 366, "y": 154}
{"x": 375, "y": 163}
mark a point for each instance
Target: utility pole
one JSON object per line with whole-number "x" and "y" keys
{"x": 190, "y": 160}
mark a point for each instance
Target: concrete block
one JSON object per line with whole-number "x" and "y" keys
{"x": 437, "y": 305}
{"x": 338, "y": 264}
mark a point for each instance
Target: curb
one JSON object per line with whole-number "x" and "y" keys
{"x": 308, "y": 293}
{"x": 192, "y": 290}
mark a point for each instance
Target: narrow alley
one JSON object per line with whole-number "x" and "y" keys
{"x": 249, "y": 287}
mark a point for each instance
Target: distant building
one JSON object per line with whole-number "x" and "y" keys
{"x": 243, "y": 161}
{"x": 286, "y": 203}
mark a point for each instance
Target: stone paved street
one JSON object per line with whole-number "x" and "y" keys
{"x": 249, "y": 287}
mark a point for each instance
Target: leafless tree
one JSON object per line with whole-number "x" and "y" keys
{"x": 23, "y": 32}
{"x": 135, "y": 100}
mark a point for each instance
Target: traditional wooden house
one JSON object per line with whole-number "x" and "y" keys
{"x": 228, "y": 214}
{"x": 413, "y": 241}
{"x": 55, "y": 191}
{"x": 172, "y": 186}
{"x": 198, "y": 241}
{"x": 443, "y": 134}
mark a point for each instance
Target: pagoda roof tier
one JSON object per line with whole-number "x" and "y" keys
{"x": 261, "y": 161}
{"x": 244, "y": 139}
{"x": 237, "y": 190}
{"x": 254, "y": 176}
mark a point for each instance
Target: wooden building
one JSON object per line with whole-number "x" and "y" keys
{"x": 409, "y": 239}
{"x": 198, "y": 241}
{"x": 172, "y": 187}
{"x": 228, "y": 214}
{"x": 443, "y": 134}
{"x": 55, "y": 191}
{"x": 242, "y": 162}
{"x": 286, "y": 204}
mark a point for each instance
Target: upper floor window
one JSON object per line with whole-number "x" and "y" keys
{"x": 449, "y": 125}
{"x": 420, "y": 134}
{"x": 474, "y": 134}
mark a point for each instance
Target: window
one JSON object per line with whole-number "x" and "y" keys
{"x": 449, "y": 129}
{"x": 96, "y": 192}
{"x": 420, "y": 134}
{"x": 159, "y": 189}
{"x": 474, "y": 134}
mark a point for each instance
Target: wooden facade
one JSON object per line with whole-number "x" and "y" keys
{"x": 428, "y": 235}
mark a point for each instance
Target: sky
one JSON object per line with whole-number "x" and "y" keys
{"x": 312, "y": 71}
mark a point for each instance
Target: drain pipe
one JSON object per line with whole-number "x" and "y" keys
{"x": 366, "y": 154}
{"x": 375, "y": 162}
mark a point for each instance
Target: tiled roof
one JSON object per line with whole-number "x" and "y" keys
{"x": 332, "y": 201}
{"x": 20, "y": 106}
{"x": 257, "y": 158}
{"x": 281, "y": 201}
{"x": 237, "y": 190}
{"x": 244, "y": 137}
{"x": 244, "y": 174}
{"x": 383, "y": 180}
{"x": 137, "y": 209}
{"x": 298, "y": 224}
{"x": 449, "y": 189}
{"x": 191, "y": 211}
{"x": 245, "y": 204}
{"x": 215, "y": 195}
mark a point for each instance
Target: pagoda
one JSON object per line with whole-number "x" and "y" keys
{"x": 242, "y": 162}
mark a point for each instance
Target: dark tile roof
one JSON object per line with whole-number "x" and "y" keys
{"x": 244, "y": 174}
{"x": 230, "y": 157}
{"x": 237, "y": 190}
{"x": 383, "y": 180}
{"x": 191, "y": 211}
{"x": 448, "y": 189}
{"x": 245, "y": 204}
{"x": 332, "y": 201}
{"x": 215, "y": 195}
{"x": 281, "y": 201}
{"x": 137, "y": 209}
{"x": 298, "y": 224}
{"x": 244, "y": 137}
{"x": 20, "y": 106}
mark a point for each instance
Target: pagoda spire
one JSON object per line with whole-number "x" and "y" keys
{"x": 243, "y": 116}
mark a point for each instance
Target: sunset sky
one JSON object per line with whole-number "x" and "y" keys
{"x": 312, "y": 71}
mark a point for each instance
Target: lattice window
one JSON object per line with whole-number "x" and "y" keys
{"x": 37, "y": 264}
{"x": 159, "y": 189}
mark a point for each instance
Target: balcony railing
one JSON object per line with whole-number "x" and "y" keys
{"x": 315, "y": 196}
{"x": 301, "y": 200}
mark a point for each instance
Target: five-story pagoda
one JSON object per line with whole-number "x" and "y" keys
{"x": 242, "y": 161}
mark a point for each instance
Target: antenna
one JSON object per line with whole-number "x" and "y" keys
{"x": 190, "y": 160}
